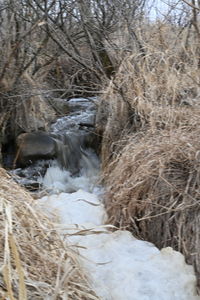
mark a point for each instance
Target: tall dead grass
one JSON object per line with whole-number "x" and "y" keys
{"x": 151, "y": 90}
{"x": 154, "y": 190}
{"x": 35, "y": 263}
{"x": 151, "y": 145}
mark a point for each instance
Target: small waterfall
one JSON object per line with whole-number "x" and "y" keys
{"x": 73, "y": 134}
{"x": 75, "y": 143}
{"x": 58, "y": 179}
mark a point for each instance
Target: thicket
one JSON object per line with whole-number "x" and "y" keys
{"x": 53, "y": 49}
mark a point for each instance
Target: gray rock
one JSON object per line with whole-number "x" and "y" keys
{"x": 34, "y": 146}
{"x": 40, "y": 145}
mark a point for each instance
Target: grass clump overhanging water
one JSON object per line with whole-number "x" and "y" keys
{"x": 150, "y": 148}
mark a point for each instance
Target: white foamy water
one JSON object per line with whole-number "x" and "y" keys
{"x": 119, "y": 267}
{"x": 58, "y": 180}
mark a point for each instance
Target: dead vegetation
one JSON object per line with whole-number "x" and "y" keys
{"x": 153, "y": 90}
{"x": 151, "y": 145}
{"x": 154, "y": 190}
{"x": 35, "y": 263}
{"x": 149, "y": 119}
{"x": 53, "y": 49}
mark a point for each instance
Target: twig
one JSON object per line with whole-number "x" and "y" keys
{"x": 191, "y": 5}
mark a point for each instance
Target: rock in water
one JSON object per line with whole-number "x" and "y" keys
{"x": 40, "y": 145}
{"x": 34, "y": 146}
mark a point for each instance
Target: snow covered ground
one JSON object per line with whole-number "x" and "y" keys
{"x": 119, "y": 267}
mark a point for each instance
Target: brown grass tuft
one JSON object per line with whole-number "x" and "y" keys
{"x": 154, "y": 190}
{"x": 153, "y": 89}
{"x": 151, "y": 145}
{"x": 35, "y": 263}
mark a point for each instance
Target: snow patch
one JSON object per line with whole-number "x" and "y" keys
{"x": 119, "y": 266}
{"x": 79, "y": 208}
{"x": 122, "y": 267}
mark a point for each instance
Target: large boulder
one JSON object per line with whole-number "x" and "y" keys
{"x": 34, "y": 146}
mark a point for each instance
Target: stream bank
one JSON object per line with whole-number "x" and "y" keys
{"x": 117, "y": 265}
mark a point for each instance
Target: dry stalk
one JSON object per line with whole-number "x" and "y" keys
{"x": 35, "y": 263}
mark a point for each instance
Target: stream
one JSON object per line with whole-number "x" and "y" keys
{"x": 118, "y": 266}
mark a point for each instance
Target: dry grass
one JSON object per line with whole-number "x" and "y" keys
{"x": 25, "y": 110}
{"x": 35, "y": 263}
{"x": 151, "y": 90}
{"x": 154, "y": 190}
{"x": 151, "y": 145}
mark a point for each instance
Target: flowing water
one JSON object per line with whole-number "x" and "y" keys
{"x": 118, "y": 266}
